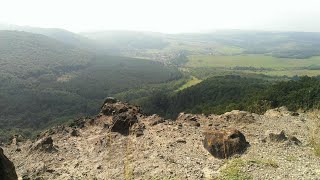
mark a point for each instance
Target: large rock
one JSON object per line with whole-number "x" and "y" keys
{"x": 7, "y": 169}
{"x": 278, "y": 137}
{"x": 123, "y": 122}
{"x": 45, "y": 144}
{"x": 281, "y": 137}
{"x": 225, "y": 143}
{"x": 109, "y": 109}
{"x": 124, "y": 116}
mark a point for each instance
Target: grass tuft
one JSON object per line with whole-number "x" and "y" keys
{"x": 233, "y": 171}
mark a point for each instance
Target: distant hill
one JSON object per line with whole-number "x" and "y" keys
{"x": 124, "y": 40}
{"x": 26, "y": 54}
{"x": 278, "y": 44}
{"x": 55, "y": 33}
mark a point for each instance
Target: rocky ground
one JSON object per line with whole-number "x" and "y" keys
{"x": 122, "y": 143}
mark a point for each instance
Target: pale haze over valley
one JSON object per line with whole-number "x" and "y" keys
{"x": 167, "y": 16}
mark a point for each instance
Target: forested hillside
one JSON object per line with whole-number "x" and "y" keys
{"x": 61, "y": 35}
{"x": 226, "y": 93}
{"x": 24, "y": 55}
{"x": 43, "y": 81}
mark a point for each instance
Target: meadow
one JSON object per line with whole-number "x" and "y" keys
{"x": 258, "y": 64}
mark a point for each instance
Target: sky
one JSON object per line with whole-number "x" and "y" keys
{"x": 167, "y": 16}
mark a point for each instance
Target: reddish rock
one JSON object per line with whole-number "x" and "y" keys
{"x": 225, "y": 143}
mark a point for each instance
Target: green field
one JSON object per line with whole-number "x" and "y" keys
{"x": 261, "y": 64}
{"x": 193, "y": 81}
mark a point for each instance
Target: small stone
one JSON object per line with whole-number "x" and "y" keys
{"x": 75, "y": 132}
{"x": 294, "y": 140}
{"x": 181, "y": 141}
{"x": 278, "y": 137}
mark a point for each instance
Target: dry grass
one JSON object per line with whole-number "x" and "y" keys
{"x": 233, "y": 170}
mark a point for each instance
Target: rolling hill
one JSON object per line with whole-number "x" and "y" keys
{"x": 44, "y": 81}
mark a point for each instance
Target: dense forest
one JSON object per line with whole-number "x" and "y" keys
{"x": 45, "y": 82}
{"x": 225, "y": 93}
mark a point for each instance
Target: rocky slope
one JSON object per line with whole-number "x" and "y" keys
{"x": 7, "y": 169}
{"x": 122, "y": 143}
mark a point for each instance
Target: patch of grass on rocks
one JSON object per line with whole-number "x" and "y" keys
{"x": 233, "y": 171}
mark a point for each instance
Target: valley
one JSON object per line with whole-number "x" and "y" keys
{"x": 43, "y": 76}
{"x": 53, "y": 83}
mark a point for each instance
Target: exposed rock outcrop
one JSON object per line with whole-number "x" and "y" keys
{"x": 45, "y": 144}
{"x": 123, "y": 143}
{"x": 279, "y": 112}
{"x": 7, "y": 169}
{"x": 118, "y": 108}
{"x": 189, "y": 119}
{"x": 281, "y": 137}
{"x": 278, "y": 137}
{"x": 225, "y": 143}
{"x": 237, "y": 117}
{"x": 124, "y": 116}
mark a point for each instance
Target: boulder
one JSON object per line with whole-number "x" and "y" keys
{"x": 110, "y": 109}
{"x": 122, "y": 122}
{"x": 122, "y": 117}
{"x": 281, "y": 137}
{"x": 225, "y": 143}
{"x": 7, "y": 169}
{"x": 45, "y": 144}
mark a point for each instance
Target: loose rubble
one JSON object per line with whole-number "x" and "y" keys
{"x": 122, "y": 143}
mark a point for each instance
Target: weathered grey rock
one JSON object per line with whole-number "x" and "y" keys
{"x": 278, "y": 137}
{"x": 7, "y": 169}
{"x": 225, "y": 143}
{"x": 237, "y": 117}
{"x": 45, "y": 144}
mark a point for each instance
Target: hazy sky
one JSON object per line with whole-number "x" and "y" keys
{"x": 170, "y": 16}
